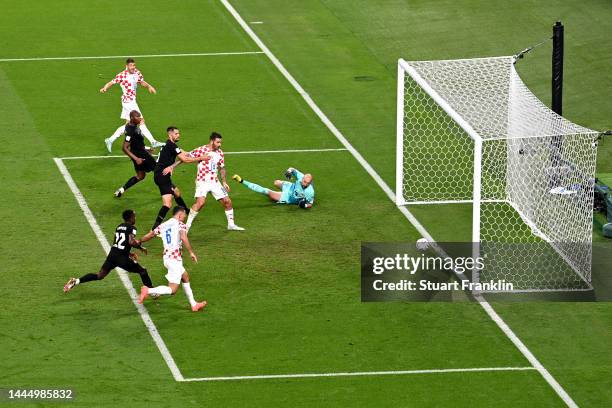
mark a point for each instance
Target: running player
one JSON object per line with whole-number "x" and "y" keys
{"x": 300, "y": 192}
{"x": 129, "y": 79}
{"x": 120, "y": 255}
{"x": 134, "y": 148}
{"x": 207, "y": 180}
{"x": 167, "y": 157}
{"x": 173, "y": 234}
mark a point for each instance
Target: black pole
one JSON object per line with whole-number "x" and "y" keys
{"x": 556, "y": 144}
{"x": 557, "y": 69}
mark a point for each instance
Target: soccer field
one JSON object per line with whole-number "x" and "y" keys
{"x": 312, "y": 87}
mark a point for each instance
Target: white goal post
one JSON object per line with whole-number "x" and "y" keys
{"x": 470, "y": 132}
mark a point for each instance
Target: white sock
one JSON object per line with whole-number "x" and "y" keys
{"x": 77, "y": 281}
{"x": 160, "y": 290}
{"x": 191, "y": 217}
{"x": 145, "y": 131}
{"x": 120, "y": 130}
{"x": 117, "y": 133}
{"x": 189, "y": 293}
{"x": 230, "y": 217}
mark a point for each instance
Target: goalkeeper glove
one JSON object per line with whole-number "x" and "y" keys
{"x": 289, "y": 173}
{"x": 303, "y": 203}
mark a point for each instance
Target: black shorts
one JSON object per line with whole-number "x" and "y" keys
{"x": 114, "y": 260}
{"x": 148, "y": 165}
{"x": 164, "y": 183}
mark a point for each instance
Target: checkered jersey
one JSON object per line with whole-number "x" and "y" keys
{"x": 207, "y": 170}
{"x": 169, "y": 232}
{"x": 129, "y": 83}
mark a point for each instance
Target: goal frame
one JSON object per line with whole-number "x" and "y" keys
{"x": 404, "y": 68}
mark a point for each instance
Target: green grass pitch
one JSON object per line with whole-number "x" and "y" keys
{"x": 284, "y": 295}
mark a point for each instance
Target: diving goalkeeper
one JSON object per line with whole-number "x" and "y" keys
{"x": 300, "y": 192}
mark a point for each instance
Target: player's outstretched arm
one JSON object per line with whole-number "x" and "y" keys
{"x": 137, "y": 244}
{"x": 148, "y": 86}
{"x": 291, "y": 171}
{"x": 150, "y": 235}
{"x": 107, "y": 86}
{"x": 185, "y": 240}
{"x": 170, "y": 169}
{"x": 186, "y": 158}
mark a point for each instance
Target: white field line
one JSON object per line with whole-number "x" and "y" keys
{"x": 99, "y": 57}
{"x": 159, "y": 342}
{"x": 332, "y": 128}
{"x": 244, "y": 152}
{"x": 360, "y": 373}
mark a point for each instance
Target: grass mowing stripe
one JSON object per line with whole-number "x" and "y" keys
{"x": 197, "y": 54}
{"x": 360, "y": 373}
{"x": 484, "y": 304}
{"x": 144, "y": 314}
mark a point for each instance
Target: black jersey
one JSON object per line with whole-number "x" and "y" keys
{"x": 134, "y": 137}
{"x": 121, "y": 244}
{"x": 167, "y": 156}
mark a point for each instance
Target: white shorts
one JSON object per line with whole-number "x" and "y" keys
{"x": 175, "y": 270}
{"x": 214, "y": 187}
{"x": 127, "y": 107}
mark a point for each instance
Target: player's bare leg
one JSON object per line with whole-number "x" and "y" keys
{"x": 195, "y": 209}
{"x": 195, "y": 306}
{"x": 274, "y": 195}
{"x": 179, "y": 199}
{"x": 140, "y": 175}
{"x": 72, "y": 282}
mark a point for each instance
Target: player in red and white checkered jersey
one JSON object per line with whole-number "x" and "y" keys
{"x": 129, "y": 79}
{"x": 173, "y": 234}
{"x": 207, "y": 180}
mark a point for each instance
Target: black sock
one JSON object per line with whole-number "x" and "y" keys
{"x": 88, "y": 277}
{"x": 130, "y": 182}
{"x": 160, "y": 216}
{"x": 146, "y": 279}
{"x": 179, "y": 200}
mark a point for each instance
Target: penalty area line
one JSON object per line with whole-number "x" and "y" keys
{"x": 99, "y": 57}
{"x": 239, "y": 152}
{"x": 360, "y": 373}
{"x": 127, "y": 283}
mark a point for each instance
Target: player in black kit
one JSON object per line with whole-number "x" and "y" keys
{"x": 120, "y": 255}
{"x": 167, "y": 156}
{"x": 134, "y": 148}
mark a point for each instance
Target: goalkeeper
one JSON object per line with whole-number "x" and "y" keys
{"x": 300, "y": 192}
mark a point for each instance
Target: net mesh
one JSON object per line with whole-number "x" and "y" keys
{"x": 537, "y": 169}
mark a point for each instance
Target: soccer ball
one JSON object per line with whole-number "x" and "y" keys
{"x": 422, "y": 244}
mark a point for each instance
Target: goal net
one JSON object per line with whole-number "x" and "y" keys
{"x": 470, "y": 132}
